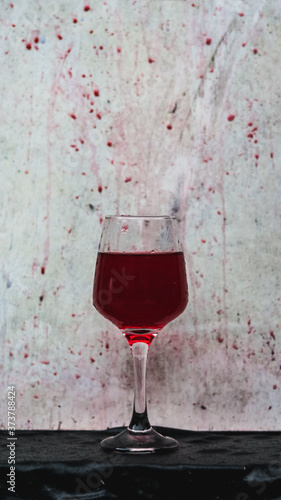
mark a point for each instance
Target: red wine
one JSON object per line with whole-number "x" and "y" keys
{"x": 140, "y": 292}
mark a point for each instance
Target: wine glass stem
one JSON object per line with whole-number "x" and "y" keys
{"x": 139, "y": 420}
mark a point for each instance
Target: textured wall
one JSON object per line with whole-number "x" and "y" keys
{"x": 141, "y": 107}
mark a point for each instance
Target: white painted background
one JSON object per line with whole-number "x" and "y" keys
{"x": 186, "y": 122}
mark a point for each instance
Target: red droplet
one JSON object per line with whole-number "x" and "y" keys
{"x": 92, "y": 360}
{"x": 203, "y": 241}
{"x": 231, "y": 118}
{"x": 77, "y": 376}
{"x": 75, "y": 20}
{"x": 98, "y": 116}
{"x": 28, "y": 46}
{"x": 86, "y": 8}
{"x": 119, "y": 49}
{"x": 128, "y": 179}
{"x": 271, "y": 155}
{"x": 96, "y": 93}
{"x": 109, "y": 144}
{"x": 255, "y": 51}
{"x": 36, "y": 39}
{"x": 220, "y": 339}
{"x": 73, "y": 116}
{"x": 25, "y": 355}
{"x": 250, "y": 136}
{"x": 169, "y": 127}
{"x": 272, "y": 334}
{"x": 100, "y": 189}
{"x": 274, "y": 386}
{"x": 257, "y": 157}
{"x": 45, "y": 362}
{"x": 59, "y": 37}
{"x": 43, "y": 270}
{"x": 35, "y": 396}
{"x": 250, "y": 124}
{"x": 241, "y": 14}
{"x": 150, "y": 60}
{"x": 208, "y": 41}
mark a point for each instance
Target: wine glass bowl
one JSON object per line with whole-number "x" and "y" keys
{"x": 140, "y": 285}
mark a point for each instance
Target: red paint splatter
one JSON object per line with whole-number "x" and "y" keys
{"x": 169, "y": 127}
{"x": 75, "y": 20}
{"x": 203, "y": 241}
{"x": 98, "y": 115}
{"x": 231, "y": 118}
{"x": 77, "y": 376}
{"x": 55, "y": 373}
{"x": 128, "y": 179}
{"x": 35, "y": 396}
{"x": 220, "y": 339}
{"x": 241, "y": 14}
{"x": 43, "y": 270}
{"x": 92, "y": 360}
{"x": 274, "y": 386}
{"x": 271, "y": 333}
{"x": 96, "y": 92}
{"x": 219, "y": 311}
{"x": 36, "y": 39}
{"x": 87, "y": 8}
{"x": 257, "y": 157}
{"x": 271, "y": 155}
{"x": 73, "y": 116}
{"x": 28, "y": 46}
{"x": 45, "y": 362}
{"x": 255, "y": 51}
{"x": 235, "y": 346}
{"x": 25, "y": 355}
{"x": 59, "y": 37}
{"x": 107, "y": 345}
{"x": 11, "y": 354}
{"x": 208, "y": 41}
{"x": 100, "y": 189}
{"x": 150, "y": 60}
{"x": 109, "y": 144}
{"x": 11, "y": 5}
{"x": 119, "y": 49}
{"x": 250, "y": 136}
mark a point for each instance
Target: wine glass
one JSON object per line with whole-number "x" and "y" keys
{"x": 140, "y": 285}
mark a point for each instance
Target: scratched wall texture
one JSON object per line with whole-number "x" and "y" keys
{"x": 141, "y": 107}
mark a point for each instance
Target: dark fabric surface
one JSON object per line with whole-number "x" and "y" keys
{"x": 58, "y": 465}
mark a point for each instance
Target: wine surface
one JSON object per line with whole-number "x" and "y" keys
{"x": 140, "y": 291}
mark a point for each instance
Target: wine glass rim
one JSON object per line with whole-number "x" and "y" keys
{"x": 140, "y": 217}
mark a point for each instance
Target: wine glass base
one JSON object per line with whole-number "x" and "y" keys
{"x": 148, "y": 441}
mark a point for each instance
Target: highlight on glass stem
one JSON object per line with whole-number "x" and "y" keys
{"x": 140, "y": 285}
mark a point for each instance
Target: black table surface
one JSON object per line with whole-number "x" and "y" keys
{"x": 61, "y": 465}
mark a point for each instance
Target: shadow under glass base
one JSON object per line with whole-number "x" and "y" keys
{"x": 147, "y": 441}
